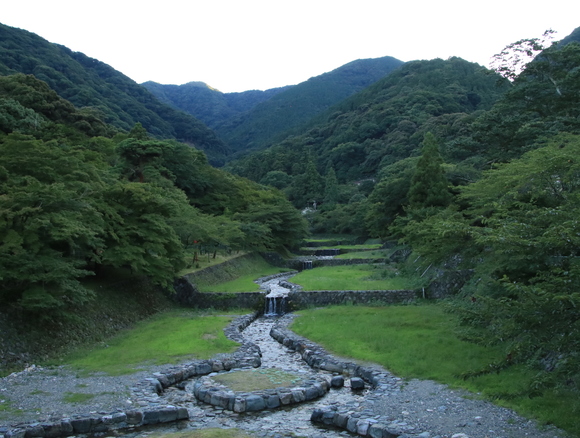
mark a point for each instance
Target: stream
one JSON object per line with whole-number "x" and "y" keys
{"x": 290, "y": 421}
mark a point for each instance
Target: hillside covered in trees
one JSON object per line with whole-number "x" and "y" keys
{"x": 100, "y": 90}
{"x": 78, "y": 198}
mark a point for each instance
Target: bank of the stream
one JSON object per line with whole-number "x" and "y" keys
{"x": 120, "y": 301}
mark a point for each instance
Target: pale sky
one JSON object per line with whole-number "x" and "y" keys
{"x": 238, "y": 45}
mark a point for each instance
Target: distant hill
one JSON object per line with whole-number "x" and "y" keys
{"x": 267, "y": 122}
{"x": 87, "y": 82}
{"x": 255, "y": 119}
{"x": 209, "y": 105}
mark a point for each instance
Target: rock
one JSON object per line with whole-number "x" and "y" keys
{"x": 337, "y": 382}
{"x": 356, "y": 384}
{"x": 255, "y": 403}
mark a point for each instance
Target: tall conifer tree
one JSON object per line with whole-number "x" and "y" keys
{"x": 429, "y": 185}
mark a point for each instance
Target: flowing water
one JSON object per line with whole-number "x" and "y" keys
{"x": 290, "y": 421}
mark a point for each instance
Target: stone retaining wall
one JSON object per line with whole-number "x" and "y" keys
{"x": 303, "y": 299}
{"x": 147, "y": 393}
{"x": 188, "y": 295}
{"x": 208, "y": 391}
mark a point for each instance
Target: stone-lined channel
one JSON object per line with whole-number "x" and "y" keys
{"x": 290, "y": 421}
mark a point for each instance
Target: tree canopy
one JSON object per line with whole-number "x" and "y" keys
{"x": 73, "y": 203}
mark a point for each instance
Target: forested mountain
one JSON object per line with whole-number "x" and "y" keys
{"x": 378, "y": 127}
{"x": 253, "y": 119}
{"x": 96, "y": 87}
{"x": 298, "y": 104}
{"x": 209, "y": 105}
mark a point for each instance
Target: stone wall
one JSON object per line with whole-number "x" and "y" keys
{"x": 448, "y": 282}
{"x": 188, "y": 295}
{"x": 342, "y": 417}
{"x": 303, "y": 299}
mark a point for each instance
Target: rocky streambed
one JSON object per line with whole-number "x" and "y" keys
{"x": 386, "y": 407}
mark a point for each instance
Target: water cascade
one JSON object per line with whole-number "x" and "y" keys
{"x": 307, "y": 264}
{"x": 276, "y": 298}
{"x": 275, "y": 305}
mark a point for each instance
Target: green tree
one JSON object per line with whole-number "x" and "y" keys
{"x": 15, "y": 117}
{"x": 429, "y": 187}
{"x": 330, "y": 187}
{"x": 514, "y": 58}
{"x": 139, "y": 232}
{"x": 50, "y": 223}
{"x": 307, "y": 187}
{"x": 389, "y": 197}
{"x": 138, "y": 132}
{"x": 277, "y": 178}
{"x": 142, "y": 156}
{"x": 529, "y": 266}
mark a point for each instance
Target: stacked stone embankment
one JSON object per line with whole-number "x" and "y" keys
{"x": 208, "y": 391}
{"x": 299, "y": 299}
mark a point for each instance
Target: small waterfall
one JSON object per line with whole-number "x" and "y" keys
{"x": 275, "y": 306}
{"x": 307, "y": 264}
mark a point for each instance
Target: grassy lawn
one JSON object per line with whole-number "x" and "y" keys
{"x": 245, "y": 283}
{"x": 238, "y": 277}
{"x": 169, "y": 337}
{"x": 420, "y": 342}
{"x": 366, "y": 246}
{"x": 257, "y": 379}
{"x": 205, "y": 260}
{"x": 357, "y": 277}
{"x": 374, "y": 254}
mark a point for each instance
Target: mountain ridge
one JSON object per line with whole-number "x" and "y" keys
{"x": 274, "y": 111}
{"x": 88, "y": 82}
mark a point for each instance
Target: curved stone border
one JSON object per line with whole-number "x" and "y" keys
{"x": 337, "y": 416}
{"x": 211, "y": 392}
{"x": 148, "y": 392}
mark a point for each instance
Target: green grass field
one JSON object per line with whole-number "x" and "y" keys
{"x": 244, "y": 283}
{"x": 240, "y": 278}
{"x": 374, "y": 254}
{"x": 169, "y": 337}
{"x": 356, "y": 277}
{"x": 421, "y": 342}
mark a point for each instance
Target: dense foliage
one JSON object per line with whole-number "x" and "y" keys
{"x": 99, "y": 89}
{"x": 516, "y": 227}
{"x": 382, "y": 126}
{"x": 76, "y": 199}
